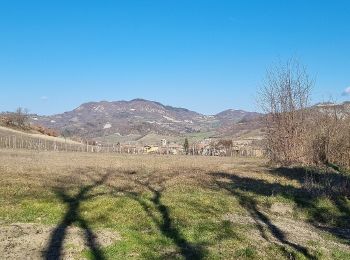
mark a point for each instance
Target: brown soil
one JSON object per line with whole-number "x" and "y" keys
{"x": 29, "y": 241}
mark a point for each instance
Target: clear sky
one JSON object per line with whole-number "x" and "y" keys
{"x": 203, "y": 55}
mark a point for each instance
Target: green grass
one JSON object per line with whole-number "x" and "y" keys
{"x": 194, "y": 137}
{"x": 178, "y": 213}
{"x": 340, "y": 254}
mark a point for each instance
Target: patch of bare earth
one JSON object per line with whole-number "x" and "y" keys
{"x": 29, "y": 241}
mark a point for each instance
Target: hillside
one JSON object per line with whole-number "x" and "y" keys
{"x": 8, "y": 132}
{"x": 137, "y": 117}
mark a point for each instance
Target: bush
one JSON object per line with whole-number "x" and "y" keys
{"x": 297, "y": 133}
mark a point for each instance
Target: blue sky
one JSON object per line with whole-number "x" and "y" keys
{"x": 203, "y": 55}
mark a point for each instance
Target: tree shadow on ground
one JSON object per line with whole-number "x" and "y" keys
{"x": 306, "y": 197}
{"x": 73, "y": 216}
{"x": 315, "y": 184}
{"x": 235, "y": 188}
{"x": 129, "y": 184}
{"x": 318, "y": 182}
{"x": 167, "y": 227}
{"x": 165, "y": 224}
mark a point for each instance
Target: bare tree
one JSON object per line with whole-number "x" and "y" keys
{"x": 297, "y": 133}
{"x": 330, "y": 135}
{"x": 284, "y": 98}
{"x": 18, "y": 119}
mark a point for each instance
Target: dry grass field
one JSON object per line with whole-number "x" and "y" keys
{"x": 105, "y": 206}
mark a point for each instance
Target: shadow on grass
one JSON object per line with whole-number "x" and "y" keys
{"x": 330, "y": 186}
{"x": 55, "y": 247}
{"x": 261, "y": 220}
{"x": 315, "y": 184}
{"x": 156, "y": 186}
{"x": 165, "y": 224}
{"x": 318, "y": 182}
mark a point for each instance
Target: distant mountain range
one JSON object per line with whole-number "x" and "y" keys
{"x": 140, "y": 117}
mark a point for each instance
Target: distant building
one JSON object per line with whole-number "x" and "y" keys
{"x": 175, "y": 148}
{"x": 151, "y": 149}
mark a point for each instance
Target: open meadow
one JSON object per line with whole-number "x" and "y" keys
{"x": 105, "y": 206}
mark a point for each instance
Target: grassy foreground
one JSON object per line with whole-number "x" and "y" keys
{"x": 174, "y": 207}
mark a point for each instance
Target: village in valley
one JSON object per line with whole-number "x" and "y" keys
{"x": 252, "y": 147}
{"x": 206, "y": 147}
